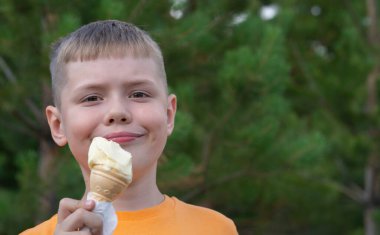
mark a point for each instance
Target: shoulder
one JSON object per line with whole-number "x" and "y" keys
{"x": 44, "y": 228}
{"x": 204, "y": 217}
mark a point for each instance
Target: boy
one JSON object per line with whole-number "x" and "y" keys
{"x": 109, "y": 80}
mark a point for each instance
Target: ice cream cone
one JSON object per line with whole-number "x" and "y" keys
{"x": 106, "y": 184}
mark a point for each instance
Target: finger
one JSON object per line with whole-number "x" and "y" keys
{"x": 67, "y": 206}
{"x": 85, "y": 231}
{"x": 82, "y": 218}
{"x": 89, "y": 231}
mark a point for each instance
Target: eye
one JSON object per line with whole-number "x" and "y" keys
{"x": 92, "y": 98}
{"x": 139, "y": 94}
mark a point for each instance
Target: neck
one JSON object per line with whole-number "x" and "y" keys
{"x": 141, "y": 193}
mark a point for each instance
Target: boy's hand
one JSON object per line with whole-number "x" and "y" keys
{"x": 77, "y": 216}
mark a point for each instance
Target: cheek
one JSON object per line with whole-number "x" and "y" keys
{"x": 154, "y": 119}
{"x": 78, "y": 131}
{"x": 80, "y": 126}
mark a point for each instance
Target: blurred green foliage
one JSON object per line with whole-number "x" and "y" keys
{"x": 271, "y": 125}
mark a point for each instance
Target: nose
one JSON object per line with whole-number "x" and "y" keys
{"x": 116, "y": 118}
{"x": 118, "y": 114}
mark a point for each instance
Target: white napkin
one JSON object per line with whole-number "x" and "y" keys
{"x": 106, "y": 210}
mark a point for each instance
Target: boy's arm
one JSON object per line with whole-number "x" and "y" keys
{"x": 74, "y": 215}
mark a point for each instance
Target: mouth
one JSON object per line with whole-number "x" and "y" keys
{"x": 123, "y": 137}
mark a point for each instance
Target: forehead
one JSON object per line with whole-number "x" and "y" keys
{"x": 114, "y": 69}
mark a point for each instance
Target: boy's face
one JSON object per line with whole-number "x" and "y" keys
{"x": 123, "y": 100}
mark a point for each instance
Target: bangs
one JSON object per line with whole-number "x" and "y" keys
{"x": 70, "y": 52}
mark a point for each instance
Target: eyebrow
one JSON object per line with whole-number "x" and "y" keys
{"x": 142, "y": 81}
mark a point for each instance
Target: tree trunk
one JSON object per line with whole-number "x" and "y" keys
{"x": 370, "y": 227}
{"x": 370, "y": 207}
{"x": 372, "y": 176}
{"x": 47, "y": 173}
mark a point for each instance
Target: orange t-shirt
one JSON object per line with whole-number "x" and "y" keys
{"x": 172, "y": 216}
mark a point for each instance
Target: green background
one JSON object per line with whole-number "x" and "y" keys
{"x": 277, "y": 124}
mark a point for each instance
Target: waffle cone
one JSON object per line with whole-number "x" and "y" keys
{"x": 106, "y": 185}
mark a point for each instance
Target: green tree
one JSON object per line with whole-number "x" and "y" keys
{"x": 339, "y": 82}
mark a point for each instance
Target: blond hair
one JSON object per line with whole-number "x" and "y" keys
{"x": 101, "y": 39}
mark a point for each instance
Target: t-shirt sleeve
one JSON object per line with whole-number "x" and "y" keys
{"x": 45, "y": 228}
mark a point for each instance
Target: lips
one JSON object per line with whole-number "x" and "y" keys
{"x": 122, "y": 137}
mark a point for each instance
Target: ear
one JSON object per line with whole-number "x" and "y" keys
{"x": 171, "y": 110}
{"x": 56, "y": 127}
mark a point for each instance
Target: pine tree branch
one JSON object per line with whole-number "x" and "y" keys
{"x": 205, "y": 187}
{"x": 13, "y": 127}
{"x": 210, "y": 139}
{"x": 310, "y": 80}
{"x": 354, "y": 191}
{"x": 9, "y": 75}
{"x": 36, "y": 111}
{"x": 356, "y": 19}
{"x": 136, "y": 10}
{"x": 28, "y": 123}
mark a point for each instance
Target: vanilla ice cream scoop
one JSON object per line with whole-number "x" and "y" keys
{"x": 111, "y": 169}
